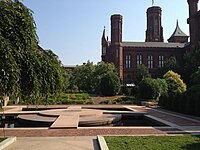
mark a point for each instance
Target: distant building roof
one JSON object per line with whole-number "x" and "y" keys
{"x": 71, "y": 67}
{"x": 154, "y": 44}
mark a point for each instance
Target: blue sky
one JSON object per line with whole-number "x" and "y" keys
{"x": 72, "y": 29}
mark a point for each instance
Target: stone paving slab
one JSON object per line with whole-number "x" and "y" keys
{"x": 66, "y": 122}
{"x": 54, "y": 143}
{"x": 176, "y": 119}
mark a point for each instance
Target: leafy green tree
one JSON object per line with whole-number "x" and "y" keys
{"x": 67, "y": 75}
{"x": 152, "y": 88}
{"x": 25, "y": 70}
{"x": 83, "y": 77}
{"x": 9, "y": 72}
{"x": 162, "y": 87}
{"x": 141, "y": 73}
{"x": 87, "y": 77}
{"x": 101, "y": 69}
{"x": 17, "y": 34}
{"x": 191, "y": 63}
{"x": 110, "y": 84}
{"x": 175, "y": 84}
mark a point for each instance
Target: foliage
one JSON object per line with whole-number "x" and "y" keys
{"x": 191, "y": 62}
{"x": 67, "y": 75}
{"x": 170, "y": 101}
{"x": 141, "y": 73}
{"x": 82, "y": 77}
{"x": 126, "y": 100}
{"x": 42, "y": 74}
{"x": 102, "y": 69}
{"x": 169, "y": 64}
{"x": 110, "y": 84}
{"x": 152, "y": 88}
{"x": 190, "y": 101}
{"x": 175, "y": 84}
{"x": 17, "y": 25}
{"x": 63, "y": 98}
{"x": 26, "y": 70}
{"x": 153, "y": 142}
{"x": 88, "y": 77}
{"x": 195, "y": 77}
{"x": 9, "y": 70}
{"x": 17, "y": 35}
{"x": 187, "y": 102}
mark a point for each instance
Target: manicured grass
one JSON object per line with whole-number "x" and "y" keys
{"x": 154, "y": 143}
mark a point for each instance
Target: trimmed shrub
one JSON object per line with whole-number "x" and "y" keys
{"x": 191, "y": 100}
{"x": 187, "y": 103}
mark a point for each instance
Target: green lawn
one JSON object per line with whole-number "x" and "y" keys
{"x": 153, "y": 143}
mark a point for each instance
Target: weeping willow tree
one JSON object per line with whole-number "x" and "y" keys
{"x": 25, "y": 70}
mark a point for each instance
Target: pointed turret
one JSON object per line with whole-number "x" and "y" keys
{"x": 104, "y": 34}
{"x": 104, "y": 44}
{"x": 104, "y": 39}
{"x": 178, "y": 35}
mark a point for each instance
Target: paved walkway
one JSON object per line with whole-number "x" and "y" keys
{"x": 54, "y": 143}
{"x": 180, "y": 124}
{"x": 85, "y": 138}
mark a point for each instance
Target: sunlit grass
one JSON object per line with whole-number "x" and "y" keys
{"x": 153, "y": 143}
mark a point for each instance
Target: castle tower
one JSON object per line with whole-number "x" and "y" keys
{"x": 192, "y": 21}
{"x": 116, "y": 43}
{"x": 193, "y": 7}
{"x": 154, "y": 32}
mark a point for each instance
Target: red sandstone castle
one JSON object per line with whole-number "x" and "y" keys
{"x": 127, "y": 56}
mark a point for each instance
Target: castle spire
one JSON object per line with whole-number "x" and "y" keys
{"x": 104, "y": 34}
{"x": 153, "y": 2}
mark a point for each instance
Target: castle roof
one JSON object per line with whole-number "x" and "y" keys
{"x": 154, "y": 44}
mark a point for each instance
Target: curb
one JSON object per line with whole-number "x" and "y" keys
{"x": 7, "y": 142}
{"x": 102, "y": 143}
